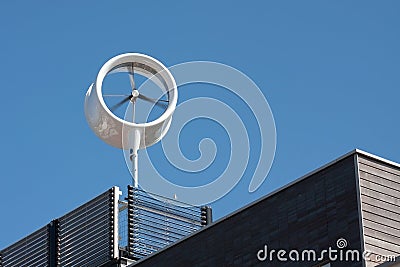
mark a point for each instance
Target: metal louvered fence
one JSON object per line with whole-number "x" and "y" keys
{"x": 106, "y": 230}
{"x": 29, "y": 251}
{"x": 86, "y": 235}
{"x": 155, "y": 222}
{"x": 82, "y": 237}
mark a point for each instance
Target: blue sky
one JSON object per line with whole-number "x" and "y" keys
{"x": 329, "y": 70}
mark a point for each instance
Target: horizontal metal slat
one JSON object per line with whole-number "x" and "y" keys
{"x": 174, "y": 227}
{"x": 27, "y": 241}
{"x": 157, "y": 230}
{"x": 26, "y": 247}
{"x": 101, "y": 198}
{"x": 73, "y": 221}
{"x": 81, "y": 229}
{"x": 166, "y": 208}
{"x": 84, "y": 242}
{"x": 101, "y": 251}
{"x": 140, "y": 213}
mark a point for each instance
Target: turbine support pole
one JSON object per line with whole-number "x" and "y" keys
{"x": 134, "y": 157}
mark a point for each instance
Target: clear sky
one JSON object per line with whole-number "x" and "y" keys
{"x": 329, "y": 70}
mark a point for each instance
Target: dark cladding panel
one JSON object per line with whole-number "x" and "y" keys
{"x": 380, "y": 204}
{"x": 86, "y": 234}
{"x": 29, "y": 251}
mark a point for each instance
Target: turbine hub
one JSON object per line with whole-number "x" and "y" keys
{"x": 135, "y": 94}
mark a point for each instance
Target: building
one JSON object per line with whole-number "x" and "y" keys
{"x": 351, "y": 205}
{"x": 346, "y": 213}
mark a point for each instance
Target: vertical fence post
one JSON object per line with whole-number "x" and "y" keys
{"x": 53, "y": 229}
{"x": 130, "y": 220}
{"x": 206, "y": 215}
{"x": 114, "y": 213}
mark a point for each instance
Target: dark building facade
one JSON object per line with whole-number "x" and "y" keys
{"x": 346, "y": 213}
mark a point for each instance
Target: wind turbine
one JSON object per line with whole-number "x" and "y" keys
{"x": 127, "y": 133}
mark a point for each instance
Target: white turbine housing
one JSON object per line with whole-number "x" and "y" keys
{"x": 121, "y": 133}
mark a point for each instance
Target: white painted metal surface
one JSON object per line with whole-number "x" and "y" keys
{"x": 116, "y": 131}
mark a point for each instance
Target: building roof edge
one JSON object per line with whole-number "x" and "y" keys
{"x": 348, "y": 154}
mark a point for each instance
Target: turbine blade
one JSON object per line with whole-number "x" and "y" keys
{"x": 116, "y": 95}
{"x": 123, "y": 101}
{"x": 131, "y": 78}
{"x": 159, "y": 102}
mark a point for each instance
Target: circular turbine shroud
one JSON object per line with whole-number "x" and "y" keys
{"x": 121, "y": 133}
